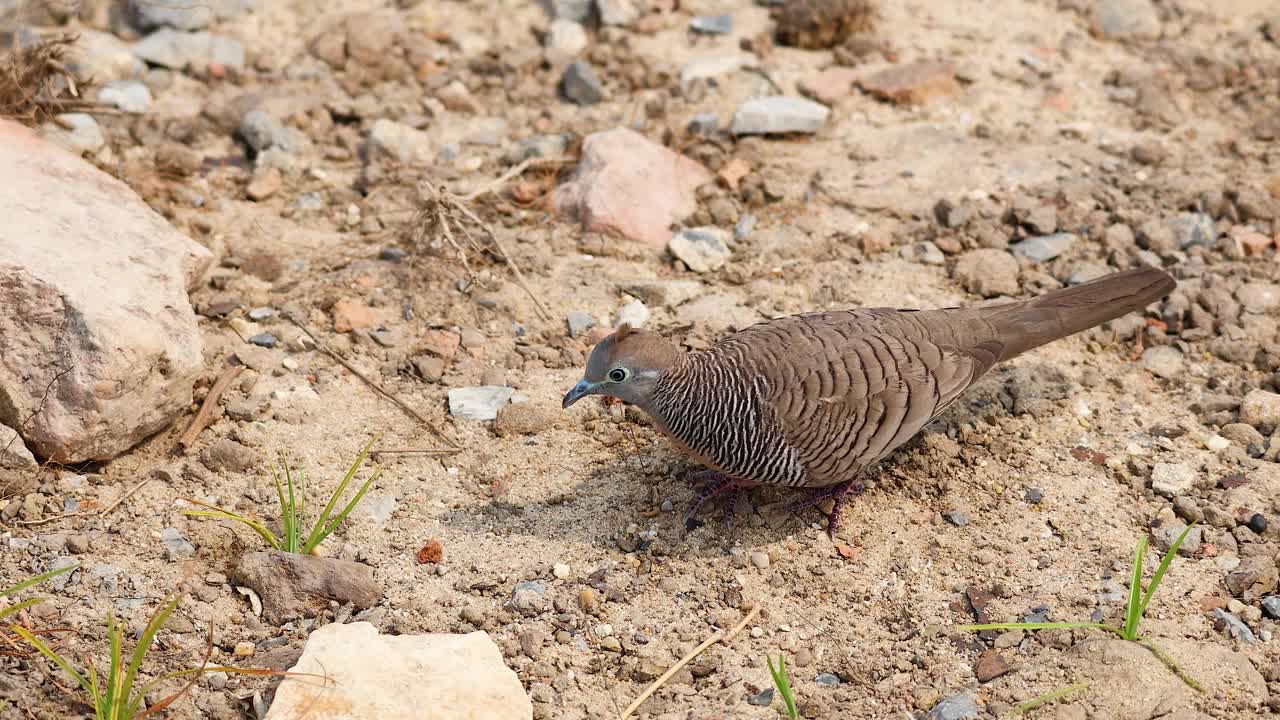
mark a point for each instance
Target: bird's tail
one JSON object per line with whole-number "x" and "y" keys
{"x": 1031, "y": 323}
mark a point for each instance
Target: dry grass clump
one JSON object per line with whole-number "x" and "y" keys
{"x": 35, "y": 85}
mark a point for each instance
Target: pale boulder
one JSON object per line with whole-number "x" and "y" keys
{"x": 98, "y": 343}
{"x": 399, "y": 677}
{"x": 632, "y": 186}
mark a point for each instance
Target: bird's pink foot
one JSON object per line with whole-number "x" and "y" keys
{"x": 838, "y": 494}
{"x": 712, "y": 485}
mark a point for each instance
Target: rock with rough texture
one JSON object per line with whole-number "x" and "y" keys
{"x": 628, "y": 184}
{"x": 400, "y": 142}
{"x": 98, "y": 332}
{"x": 565, "y": 41}
{"x": 1172, "y": 479}
{"x": 1260, "y": 409}
{"x": 14, "y": 454}
{"x": 1044, "y": 248}
{"x": 664, "y": 293}
{"x": 399, "y": 677}
{"x": 1193, "y": 229}
{"x": 294, "y": 586}
{"x": 988, "y": 272}
{"x": 478, "y": 403}
{"x": 1259, "y": 297}
{"x": 1233, "y": 626}
{"x": 779, "y": 114}
{"x": 956, "y": 707}
{"x": 197, "y": 51}
{"x": 830, "y": 85}
{"x": 1163, "y": 361}
{"x": 702, "y": 249}
{"x": 915, "y": 83}
{"x": 617, "y": 12}
{"x": 1125, "y": 20}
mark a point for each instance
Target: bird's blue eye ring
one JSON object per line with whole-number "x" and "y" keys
{"x": 618, "y": 374}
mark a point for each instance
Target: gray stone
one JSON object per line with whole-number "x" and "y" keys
{"x": 262, "y": 132}
{"x": 478, "y": 403}
{"x": 704, "y": 124}
{"x": 702, "y": 249}
{"x": 779, "y": 114}
{"x": 184, "y": 14}
{"x": 1172, "y": 479}
{"x": 264, "y": 339}
{"x": 579, "y": 322}
{"x": 1125, "y": 20}
{"x": 578, "y": 11}
{"x": 764, "y": 698}
{"x": 102, "y": 57}
{"x": 1166, "y": 535}
{"x": 176, "y": 546}
{"x": 1044, "y": 247}
{"x": 580, "y": 84}
{"x": 400, "y": 142}
{"x": 127, "y": 95}
{"x": 712, "y": 67}
{"x": 1271, "y": 607}
{"x": 634, "y": 314}
{"x": 956, "y": 707}
{"x": 1163, "y": 361}
{"x": 712, "y": 24}
{"x": 1233, "y": 626}
{"x": 83, "y": 136}
{"x": 1193, "y": 229}
{"x": 528, "y": 598}
{"x": 261, "y": 313}
{"x": 957, "y": 518}
{"x": 540, "y": 146}
{"x": 179, "y": 50}
{"x": 1258, "y": 297}
{"x": 96, "y": 311}
{"x": 827, "y": 679}
{"x": 1261, "y": 409}
{"x": 924, "y": 252}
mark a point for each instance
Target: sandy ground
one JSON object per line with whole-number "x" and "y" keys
{"x": 1036, "y": 116}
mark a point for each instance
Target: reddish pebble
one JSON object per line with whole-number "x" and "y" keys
{"x": 432, "y": 552}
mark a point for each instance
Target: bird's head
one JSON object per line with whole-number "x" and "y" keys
{"x": 626, "y": 365}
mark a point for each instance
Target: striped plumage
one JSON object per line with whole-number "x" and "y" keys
{"x": 811, "y": 400}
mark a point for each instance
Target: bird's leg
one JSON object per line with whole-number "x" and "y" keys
{"x": 713, "y": 485}
{"x": 839, "y": 494}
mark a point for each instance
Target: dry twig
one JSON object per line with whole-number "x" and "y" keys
{"x": 719, "y": 636}
{"x": 204, "y": 417}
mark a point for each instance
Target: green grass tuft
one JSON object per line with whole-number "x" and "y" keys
{"x": 292, "y": 498}
{"x": 1134, "y": 610}
{"x": 14, "y": 589}
{"x": 783, "y": 682}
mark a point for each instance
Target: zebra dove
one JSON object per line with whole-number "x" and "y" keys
{"x": 810, "y": 400}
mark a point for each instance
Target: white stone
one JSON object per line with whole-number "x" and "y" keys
{"x": 128, "y": 95}
{"x": 560, "y": 570}
{"x": 634, "y": 314}
{"x": 565, "y": 40}
{"x": 779, "y": 114}
{"x": 1172, "y": 479}
{"x": 617, "y": 12}
{"x": 369, "y": 676}
{"x": 83, "y": 136}
{"x": 760, "y": 559}
{"x": 703, "y": 249}
{"x": 400, "y": 142}
{"x": 478, "y": 403}
{"x": 99, "y": 333}
{"x": 1044, "y": 248}
{"x": 1163, "y": 361}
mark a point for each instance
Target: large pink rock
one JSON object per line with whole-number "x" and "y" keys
{"x": 98, "y": 343}
{"x": 630, "y": 185}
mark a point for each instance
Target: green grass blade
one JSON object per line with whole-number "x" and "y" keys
{"x": 1165, "y": 562}
{"x": 1043, "y": 626}
{"x": 783, "y": 683}
{"x": 1133, "y": 608}
{"x": 223, "y": 514}
{"x": 1047, "y": 698}
{"x": 297, "y": 506}
{"x": 158, "y": 619}
{"x": 286, "y": 510}
{"x": 112, "y": 701}
{"x": 37, "y": 579}
{"x": 323, "y": 521}
{"x": 95, "y": 690}
{"x": 342, "y": 515}
{"x": 48, "y": 652}
{"x": 19, "y": 607}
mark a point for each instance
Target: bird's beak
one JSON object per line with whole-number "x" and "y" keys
{"x": 579, "y": 391}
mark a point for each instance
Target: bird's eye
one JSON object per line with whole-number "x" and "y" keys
{"x": 618, "y": 374}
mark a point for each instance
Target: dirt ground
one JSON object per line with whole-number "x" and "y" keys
{"x": 1106, "y": 131}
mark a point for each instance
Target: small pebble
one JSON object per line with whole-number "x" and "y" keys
{"x": 266, "y": 340}
{"x": 957, "y": 518}
{"x": 392, "y": 254}
{"x": 245, "y": 649}
{"x": 827, "y": 679}
{"x": 1034, "y": 496}
{"x": 1271, "y": 607}
{"x": 560, "y": 570}
{"x": 764, "y": 698}
{"x": 760, "y": 559}
{"x": 712, "y": 24}
{"x": 260, "y": 314}
{"x": 1258, "y": 523}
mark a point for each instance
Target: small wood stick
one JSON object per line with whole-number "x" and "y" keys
{"x": 204, "y": 418}
{"x": 719, "y": 636}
